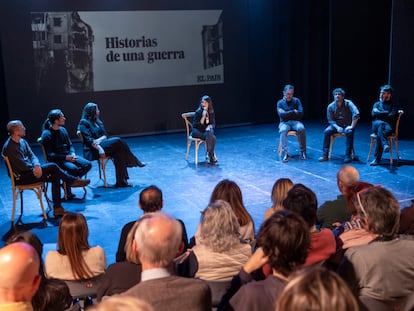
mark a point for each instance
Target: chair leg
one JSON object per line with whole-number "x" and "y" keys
{"x": 102, "y": 164}
{"x": 188, "y": 149}
{"x": 196, "y": 146}
{"x": 371, "y": 145}
{"x": 332, "y": 140}
{"x": 38, "y": 192}
{"x": 390, "y": 145}
{"x": 279, "y": 148}
{"x": 396, "y": 148}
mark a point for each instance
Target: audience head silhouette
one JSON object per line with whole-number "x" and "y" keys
{"x": 302, "y": 200}
{"x": 150, "y": 199}
{"x": 19, "y": 273}
{"x": 158, "y": 240}
{"x": 316, "y": 288}
{"x": 346, "y": 178}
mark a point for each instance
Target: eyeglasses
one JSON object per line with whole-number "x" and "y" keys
{"x": 358, "y": 196}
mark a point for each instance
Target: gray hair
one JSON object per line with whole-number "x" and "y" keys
{"x": 219, "y": 227}
{"x": 349, "y": 175}
{"x": 158, "y": 238}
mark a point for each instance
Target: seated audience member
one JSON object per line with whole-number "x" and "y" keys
{"x": 332, "y": 213}
{"x": 97, "y": 144}
{"x": 302, "y": 200}
{"x": 19, "y": 276}
{"x": 52, "y": 294}
{"x": 407, "y": 220}
{"x": 219, "y": 254}
{"x": 59, "y": 148}
{"x": 279, "y": 191}
{"x": 150, "y": 201}
{"x": 27, "y": 167}
{"x": 157, "y": 242}
{"x": 74, "y": 258}
{"x": 125, "y": 303}
{"x": 316, "y": 288}
{"x": 121, "y": 276}
{"x": 283, "y": 241}
{"x": 230, "y": 192}
{"x": 382, "y": 270}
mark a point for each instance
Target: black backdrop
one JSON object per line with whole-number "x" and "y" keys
{"x": 315, "y": 45}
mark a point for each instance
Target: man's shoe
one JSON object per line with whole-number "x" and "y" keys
{"x": 386, "y": 148}
{"x": 285, "y": 158}
{"x": 347, "y": 159}
{"x": 303, "y": 156}
{"x": 141, "y": 164}
{"x": 374, "y": 163}
{"x": 58, "y": 211}
{"x": 324, "y": 158}
{"x": 80, "y": 182}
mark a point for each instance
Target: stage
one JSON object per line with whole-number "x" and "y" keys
{"x": 246, "y": 154}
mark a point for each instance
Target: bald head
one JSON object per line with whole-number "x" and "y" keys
{"x": 347, "y": 177}
{"x": 19, "y": 272}
{"x": 158, "y": 240}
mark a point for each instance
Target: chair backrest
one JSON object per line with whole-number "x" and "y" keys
{"x": 397, "y": 124}
{"x": 40, "y": 141}
{"x": 10, "y": 170}
{"x": 188, "y": 119}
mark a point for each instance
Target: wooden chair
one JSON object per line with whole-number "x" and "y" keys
{"x": 333, "y": 137}
{"x": 289, "y": 133}
{"x": 39, "y": 140}
{"x": 102, "y": 162}
{"x": 38, "y": 188}
{"x": 188, "y": 118}
{"x": 393, "y": 138}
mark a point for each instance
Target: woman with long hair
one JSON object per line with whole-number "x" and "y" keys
{"x": 97, "y": 144}
{"x": 204, "y": 123}
{"x": 230, "y": 192}
{"x": 279, "y": 192}
{"x": 74, "y": 258}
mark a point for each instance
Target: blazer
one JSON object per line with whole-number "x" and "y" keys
{"x": 173, "y": 293}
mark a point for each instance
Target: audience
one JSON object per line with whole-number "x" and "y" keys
{"x": 157, "y": 243}
{"x": 74, "y": 258}
{"x": 19, "y": 276}
{"x": 125, "y": 303}
{"x": 230, "y": 192}
{"x": 279, "y": 191}
{"x": 121, "y": 276}
{"x": 407, "y": 220}
{"x": 383, "y": 269}
{"x": 302, "y": 200}
{"x": 332, "y": 213}
{"x": 316, "y": 288}
{"x": 219, "y": 254}
{"x": 52, "y": 294}
{"x": 150, "y": 201}
{"x": 283, "y": 241}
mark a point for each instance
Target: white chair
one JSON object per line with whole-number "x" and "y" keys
{"x": 38, "y": 188}
{"x": 188, "y": 119}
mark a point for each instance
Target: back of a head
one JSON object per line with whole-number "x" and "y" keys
{"x": 131, "y": 256}
{"x": 219, "y": 226}
{"x": 316, "y": 288}
{"x": 348, "y": 175}
{"x": 381, "y": 209}
{"x": 158, "y": 239}
{"x": 150, "y": 199}
{"x": 302, "y": 200}
{"x": 72, "y": 241}
{"x": 122, "y": 303}
{"x": 230, "y": 192}
{"x": 285, "y": 239}
{"x": 13, "y": 125}
{"x": 53, "y": 295}
{"x": 19, "y": 272}
{"x": 279, "y": 191}
{"x": 352, "y": 191}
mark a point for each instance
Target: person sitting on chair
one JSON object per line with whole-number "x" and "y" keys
{"x": 59, "y": 148}
{"x": 204, "y": 123}
{"x": 290, "y": 112}
{"x": 28, "y": 169}
{"x": 384, "y": 117}
{"x": 97, "y": 144}
{"x": 343, "y": 116}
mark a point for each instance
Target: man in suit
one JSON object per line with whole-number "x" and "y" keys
{"x": 19, "y": 276}
{"x": 157, "y": 242}
{"x": 150, "y": 201}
